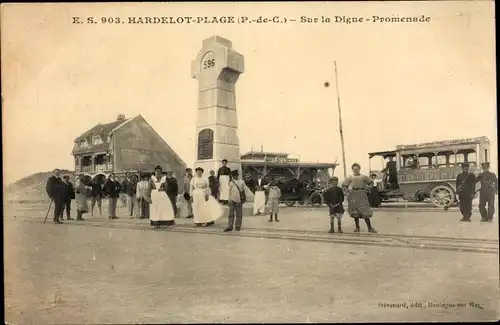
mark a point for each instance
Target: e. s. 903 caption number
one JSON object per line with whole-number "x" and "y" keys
{"x": 110, "y": 20}
{"x": 209, "y": 64}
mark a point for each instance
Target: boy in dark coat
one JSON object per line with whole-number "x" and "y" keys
{"x": 334, "y": 197}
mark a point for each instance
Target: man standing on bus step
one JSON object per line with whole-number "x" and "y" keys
{"x": 466, "y": 186}
{"x": 489, "y": 188}
{"x": 391, "y": 174}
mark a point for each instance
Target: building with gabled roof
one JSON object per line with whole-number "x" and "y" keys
{"x": 124, "y": 145}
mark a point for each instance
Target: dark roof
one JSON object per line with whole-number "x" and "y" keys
{"x": 100, "y": 129}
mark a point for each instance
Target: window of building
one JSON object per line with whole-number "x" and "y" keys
{"x": 84, "y": 143}
{"x": 96, "y": 140}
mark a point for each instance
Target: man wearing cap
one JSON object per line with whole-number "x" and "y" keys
{"x": 489, "y": 188}
{"x": 466, "y": 186}
{"x": 235, "y": 202}
{"x": 112, "y": 189}
{"x": 187, "y": 192}
{"x": 223, "y": 179}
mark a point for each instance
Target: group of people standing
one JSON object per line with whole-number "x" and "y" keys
{"x": 155, "y": 197}
{"x": 466, "y": 190}
{"x": 355, "y": 188}
{"x": 61, "y": 191}
{"x": 205, "y": 196}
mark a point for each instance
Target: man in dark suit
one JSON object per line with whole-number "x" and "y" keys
{"x": 112, "y": 189}
{"x": 212, "y": 182}
{"x": 97, "y": 195}
{"x": 69, "y": 194}
{"x": 466, "y": 186}
{"x": 172, "y": 190}
{"x": 55, "y": 189}
{"x": 489, "y": 188}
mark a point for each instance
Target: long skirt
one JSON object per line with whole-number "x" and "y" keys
{"x": 358, "y": 205}
{"x": 224, "y": 188}
{"x": 205, "y": 211}
{"x": 374, "y": 197}
{"x": 161, "y": 210}
{"x": 259, "y": 203}
{"x": 81, "y": 202}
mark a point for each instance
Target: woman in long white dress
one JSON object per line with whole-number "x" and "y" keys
{"x": 205, "y": 208}
{"x": 161, "y": 209}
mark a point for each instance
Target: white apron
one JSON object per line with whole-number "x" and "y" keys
{"x": 259, "y": 203}
{"x": 204, "y": 211}
{"x": 161, "y": 209}
{"x": 224, "y": 187}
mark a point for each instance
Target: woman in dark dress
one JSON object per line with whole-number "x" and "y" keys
{"x": 373, "y": 193}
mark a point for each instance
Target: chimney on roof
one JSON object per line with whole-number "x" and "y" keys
{"x": 121, "y": 117}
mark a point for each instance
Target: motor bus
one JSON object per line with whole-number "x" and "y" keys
{"x": 428, "y": 171}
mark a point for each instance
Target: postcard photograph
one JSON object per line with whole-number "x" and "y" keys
{"x": 249, "y": 162}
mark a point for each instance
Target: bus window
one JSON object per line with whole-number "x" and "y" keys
{"x": 471, "y": 158}
{"x": 439, "y": 160}
{"x": 457, "y": 159}
{"x": 409, "y": 162}
{"x": 423, "y": 162}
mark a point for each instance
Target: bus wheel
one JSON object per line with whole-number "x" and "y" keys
{"x": 442, "y": 196}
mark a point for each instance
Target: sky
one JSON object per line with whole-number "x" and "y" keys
{"x": 399, "y": 83}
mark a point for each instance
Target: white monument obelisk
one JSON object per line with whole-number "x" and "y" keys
{"x": 217, "y": 68}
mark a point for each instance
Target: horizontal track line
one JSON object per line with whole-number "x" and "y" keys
{"x": 288, "y": 237}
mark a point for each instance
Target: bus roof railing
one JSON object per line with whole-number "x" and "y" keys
{"x": 444, "y": 143}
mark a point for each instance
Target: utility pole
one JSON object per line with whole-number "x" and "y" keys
{"x": 340, "y": 121}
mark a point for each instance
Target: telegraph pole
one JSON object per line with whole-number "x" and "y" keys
{"x": 340, "y": 121}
